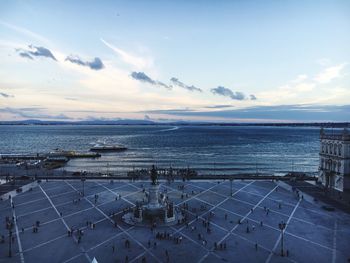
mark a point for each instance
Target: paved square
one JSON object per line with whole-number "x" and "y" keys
{"x": 242, "y": 227}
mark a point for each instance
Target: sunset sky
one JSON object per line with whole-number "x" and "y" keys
{"x": 222, "y": 61}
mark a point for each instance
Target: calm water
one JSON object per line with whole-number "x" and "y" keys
{"x": 208, "y": 149}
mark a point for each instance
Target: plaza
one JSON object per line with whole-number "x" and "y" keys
{"x": 224, "y": 223}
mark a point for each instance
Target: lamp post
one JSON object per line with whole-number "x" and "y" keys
{"x": 282, "y": 226}
{"x": 83, "y": 180}
{"x": 9, "y": 228}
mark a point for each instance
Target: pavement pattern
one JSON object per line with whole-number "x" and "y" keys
{"x": 225, "y": 223}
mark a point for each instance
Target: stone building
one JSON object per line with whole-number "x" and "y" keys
{"x": 334, "y": 167}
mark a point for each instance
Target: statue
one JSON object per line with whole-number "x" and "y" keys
{"x": 154, "y": 175}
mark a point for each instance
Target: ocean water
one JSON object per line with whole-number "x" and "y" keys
{"x": 208, "y": 149}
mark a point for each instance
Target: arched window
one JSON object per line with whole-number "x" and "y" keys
{"x": 339, "y": 149}
{"x": 331, "y": 149}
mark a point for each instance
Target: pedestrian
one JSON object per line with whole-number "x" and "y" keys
{"x": 256, "y": 246}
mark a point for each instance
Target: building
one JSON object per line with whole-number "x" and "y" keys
{"x": 334, "y": 167}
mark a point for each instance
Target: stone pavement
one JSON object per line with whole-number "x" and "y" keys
{"x": 220, "y": 227}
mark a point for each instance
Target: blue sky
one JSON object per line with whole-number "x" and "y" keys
{"x": 78, "y": 60}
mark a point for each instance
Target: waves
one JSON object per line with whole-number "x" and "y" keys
{"x": 169, "y": 129}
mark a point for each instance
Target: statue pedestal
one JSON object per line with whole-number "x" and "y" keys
{"x": 155, "y": 211}
{"x": 153, "y": 202}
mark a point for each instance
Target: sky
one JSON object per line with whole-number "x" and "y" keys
{"x": 215, "y": 61}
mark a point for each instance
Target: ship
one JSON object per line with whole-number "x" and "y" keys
{"x": 108, "y": 148}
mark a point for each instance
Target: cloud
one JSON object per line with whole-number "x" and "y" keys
{"x": 330, "y": 73}
{"x": 5, "y": 95}
{"x": 146, "y": 117}
{"x": 95, "y": 64}
{"x": 25, "y": 55}
{"x": 25, "y": 31}
{"x": 176, "y": 82}
{"x": 291, "y": 113}
{"x": 33, "y": 113}
{"x": 73, "y": 99}
{"x": 218, "y": 106}
{"x": 228, "y": 93}
{"x": 141, "y": 76}
{"x": 34, "y": 51}
{"x": 252, "y": 97}
{"x": 138, "y": 62}
{"x": 170, "y": 111}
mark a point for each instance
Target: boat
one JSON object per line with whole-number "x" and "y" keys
{"x": 108, "y": 148}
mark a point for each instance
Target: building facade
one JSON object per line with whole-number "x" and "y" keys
{"x": 334, "y": 167}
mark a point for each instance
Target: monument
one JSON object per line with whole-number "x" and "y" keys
{"x": 157, "y": 210}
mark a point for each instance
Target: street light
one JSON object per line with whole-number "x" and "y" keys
{"x": 9, "y": 227}
{"x": 282, "y": 226}
{"x": 83, "y": 180}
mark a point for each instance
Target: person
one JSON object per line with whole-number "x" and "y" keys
{"x": 113, "y": 248}
{"x": 256, "y": 246}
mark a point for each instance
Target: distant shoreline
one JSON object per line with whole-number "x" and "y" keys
{"x": 150, "y": 123}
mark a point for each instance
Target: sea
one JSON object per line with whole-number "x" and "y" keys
{"x": 211, "y": 149}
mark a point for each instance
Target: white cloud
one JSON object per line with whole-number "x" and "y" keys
{"x": 300, "y": 78}
{"x": 136, "y": 61}
{"x": 26, "y": 32}
{"x": 330, "y": 73}
{"x": 304, "y": 89}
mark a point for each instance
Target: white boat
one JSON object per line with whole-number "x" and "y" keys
{"x": 108, "y": 148}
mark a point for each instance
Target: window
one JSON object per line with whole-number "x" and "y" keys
{"x": 339, "y": 150}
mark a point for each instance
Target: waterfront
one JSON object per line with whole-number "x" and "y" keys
{"x": 207, "y": 149}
